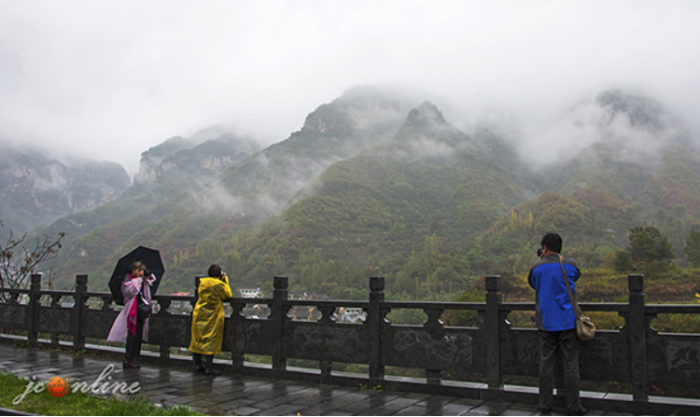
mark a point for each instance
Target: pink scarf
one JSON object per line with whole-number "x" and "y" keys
{"x": 133, "y": 313}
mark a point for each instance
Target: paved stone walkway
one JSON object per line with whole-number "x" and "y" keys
{"x": 230, "y": 394}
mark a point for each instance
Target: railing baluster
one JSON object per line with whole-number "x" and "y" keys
{"x": 327, "y": 314}
{"x": 107, "y": 302}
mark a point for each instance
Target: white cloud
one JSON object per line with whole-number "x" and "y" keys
{"x": 110, "y": 79}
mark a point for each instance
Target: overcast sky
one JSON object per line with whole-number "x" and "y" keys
{"x": 109, "y": 79}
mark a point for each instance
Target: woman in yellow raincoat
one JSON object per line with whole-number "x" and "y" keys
{"x": 208, "y": 319}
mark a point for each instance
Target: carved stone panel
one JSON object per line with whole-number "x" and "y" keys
{"x": 336, "y": 343}
{"x": 227, "y": 342}
{"x": 683, "y": 361}
{"x": 256, "y": 337}
{"x": 527, "y": 350}
{"x": 98, "y": 323}
{"x": 522, "y": 356}
{"x": 415, "y": 348}
{"x": 13, "y": 316}
{"x": 54, "y": 320}
{"x": 596, "y": 359}
{"x": 170, "y": 330}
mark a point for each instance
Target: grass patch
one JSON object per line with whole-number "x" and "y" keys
{"x": 79, "y": 404}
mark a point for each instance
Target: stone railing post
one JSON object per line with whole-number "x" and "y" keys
{"x": 279, "y": 315}
{"x": 55, "y": 305}
{"x": 34, "y": 305}
{"x": 638, "y": 343}
{"x": 196, "y": 289}
{"x": 79, "y": 312}
{"x": 375, "y": 331}
{"x": 326, "y": 368}
{"x": 238, "y": 329}
{"x": 491, "y": 331}
{"x": 164, "y": 313}
{"x": 436, "y": 330}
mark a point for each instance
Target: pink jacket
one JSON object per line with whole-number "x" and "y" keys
{"x": 130, "y": 288}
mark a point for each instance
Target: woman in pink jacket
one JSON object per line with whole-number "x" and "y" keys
{"x": 127, "y": 327}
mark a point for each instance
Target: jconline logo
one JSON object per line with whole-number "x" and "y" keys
{"x": 58, "y": 387}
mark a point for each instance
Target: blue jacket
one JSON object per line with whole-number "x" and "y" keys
{"x": 553, "y": 305}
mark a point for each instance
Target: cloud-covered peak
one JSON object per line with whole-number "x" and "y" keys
{"x": 427, "y": 114}
{"x": 640, "y": 111}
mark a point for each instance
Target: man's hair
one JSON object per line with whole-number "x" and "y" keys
{"x": 214, "y": 271}
{"x": 553, "y": 242}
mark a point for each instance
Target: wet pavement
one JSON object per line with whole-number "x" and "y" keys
{"x": 231, "y": 394}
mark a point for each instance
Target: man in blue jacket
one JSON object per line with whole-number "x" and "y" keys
{"x": 556, "y": 322}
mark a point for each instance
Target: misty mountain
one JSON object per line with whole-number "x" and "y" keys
{"x": 165, "y": 170}
{"x": 36, "y": 189}
{"x": 640, "y": 169}
{"x": 174, "y": 212}
{"x": 207, "y": 153}
{"x": 372, "y": 177}
{"x": 431, "y": 179}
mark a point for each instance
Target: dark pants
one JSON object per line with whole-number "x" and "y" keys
{"x": 133, "y": 341}
{"x": 566, "y": 343}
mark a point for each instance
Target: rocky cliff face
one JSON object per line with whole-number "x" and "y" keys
{"x": 153, "y": 157}
{"x": 207, "y": 152}
{"x": 36, "y": 189}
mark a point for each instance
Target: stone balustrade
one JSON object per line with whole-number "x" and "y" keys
{"x": 636, "y": 355}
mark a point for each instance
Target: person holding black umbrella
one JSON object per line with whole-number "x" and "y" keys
{"x": 208, "y": 319}
{"x": 128, "y": 326}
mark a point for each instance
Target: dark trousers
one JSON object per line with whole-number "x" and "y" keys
{"x": 565, "y": 343}
{"x": 133, "y": 341}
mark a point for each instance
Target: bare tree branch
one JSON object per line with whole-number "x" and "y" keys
{"x": 18, "y": 261}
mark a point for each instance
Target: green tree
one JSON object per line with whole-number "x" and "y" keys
{"x": 621, "y": 261}
{"x": 649, "y": 250}
{"x": 647, "y": 244}
{"x": 692, "y": 247}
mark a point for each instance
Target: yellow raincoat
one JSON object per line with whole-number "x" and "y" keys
{"x": 208, "y": 316}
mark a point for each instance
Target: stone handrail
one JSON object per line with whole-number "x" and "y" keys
{"x": 635, "y": 355}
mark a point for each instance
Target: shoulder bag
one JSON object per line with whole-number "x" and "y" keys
{"x": 143, "y": 309}
{"x": 585, "y": 329}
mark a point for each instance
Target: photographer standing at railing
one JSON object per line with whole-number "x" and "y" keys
{"x": 556, "y": 322}
{"x": 128, "y": 326}
{"x": 208, "y": 319}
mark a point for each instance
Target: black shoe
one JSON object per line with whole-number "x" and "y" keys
{"x": 581, "y": 412}
{"x": 128, "y": 363}
{"x": 209, "y": 369}
{"x": 199, "y": 368}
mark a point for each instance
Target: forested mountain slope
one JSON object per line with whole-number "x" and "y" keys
{"x": 176, "y": 215}
{"x": 377, "y": 184}
{"x": 430, "y": 181}
{"x": 93, "y": 236}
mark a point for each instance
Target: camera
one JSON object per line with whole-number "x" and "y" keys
{"x": 539, "y": 252}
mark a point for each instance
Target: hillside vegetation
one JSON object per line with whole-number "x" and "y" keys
{"x": 380, "y": 184}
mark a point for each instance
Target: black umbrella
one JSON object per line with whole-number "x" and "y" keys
{"x": 147, "y": 256}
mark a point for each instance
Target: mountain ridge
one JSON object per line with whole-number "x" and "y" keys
{"x": 370, "y": 178}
